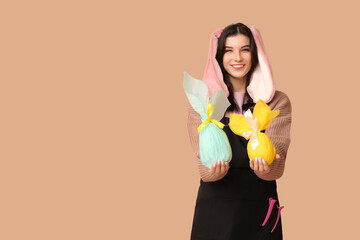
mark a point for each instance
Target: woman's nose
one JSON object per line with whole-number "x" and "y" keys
{"x": 237, "y": 56}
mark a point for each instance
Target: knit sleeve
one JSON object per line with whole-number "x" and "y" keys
{"x": 279, "y": 133}
{"x": 194, "y": 120}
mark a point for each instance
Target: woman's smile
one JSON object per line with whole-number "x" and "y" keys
{"x": 238, "y": 66}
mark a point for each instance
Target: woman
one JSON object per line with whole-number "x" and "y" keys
{"x": 233, "y": 199}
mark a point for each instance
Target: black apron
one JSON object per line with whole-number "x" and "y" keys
{"x": 235, "y": 207}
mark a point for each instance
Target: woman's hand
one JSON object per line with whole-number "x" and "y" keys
{"x": 260, "y": 166}
{"x": 220, "y": 168}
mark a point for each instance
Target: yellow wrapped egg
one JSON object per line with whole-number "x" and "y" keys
{"x": 265, "y": 150}
{"x": 249, "y": 126}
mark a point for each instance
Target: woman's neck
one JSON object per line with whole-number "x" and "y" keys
{"x": 238, "y": 84}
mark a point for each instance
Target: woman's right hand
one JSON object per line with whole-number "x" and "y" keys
{"x": 220, "y": 168}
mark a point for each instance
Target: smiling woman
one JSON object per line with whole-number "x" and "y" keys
{"x": 234, "y": 198}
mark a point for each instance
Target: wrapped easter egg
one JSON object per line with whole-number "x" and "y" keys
{"x": 250, "y": 126}
{"x": 213, "y": 142}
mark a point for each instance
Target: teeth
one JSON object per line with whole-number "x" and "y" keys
{"x": 238, "y": 65}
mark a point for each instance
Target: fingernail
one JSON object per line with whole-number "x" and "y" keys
{"x": 256, "y": 159}
{"x": 222, "y": 163}
{"x": 213, "y": 165}
{"x": 225, "y": 163}
{"x": 263, "y": 161}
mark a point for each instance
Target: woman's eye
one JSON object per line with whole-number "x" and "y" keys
{"x": 228, "y": 50}
{"x": 247, "y": 50}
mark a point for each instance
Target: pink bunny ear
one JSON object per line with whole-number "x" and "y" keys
{"x": 212, "y": 75}
{"x": 261, "y": 85}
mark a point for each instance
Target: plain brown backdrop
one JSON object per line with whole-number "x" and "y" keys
{"x": 93, "y": 133}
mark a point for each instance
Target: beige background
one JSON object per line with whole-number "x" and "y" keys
{"x": 93, "y": 132}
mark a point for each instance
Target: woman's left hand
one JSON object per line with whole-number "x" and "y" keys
{"x": 260, "y": 165}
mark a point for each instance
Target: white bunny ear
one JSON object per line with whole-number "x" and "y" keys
{"x": 197, "y": 93}
{"x": 262, "y": 85}
{"x": 221, "y": 103}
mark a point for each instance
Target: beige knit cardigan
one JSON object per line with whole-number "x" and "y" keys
{"x": 278, "y": 131}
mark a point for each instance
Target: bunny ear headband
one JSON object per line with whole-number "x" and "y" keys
{"x": 261, "y": 85}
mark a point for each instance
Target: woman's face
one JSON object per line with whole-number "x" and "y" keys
{"x": 237, "y": 57}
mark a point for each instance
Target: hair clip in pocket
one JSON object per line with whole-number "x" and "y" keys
{"x": 271, "y": 206}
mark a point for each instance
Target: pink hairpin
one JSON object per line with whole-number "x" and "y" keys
{"x": 278, "y": 216}
{"x": 271, "y": 205}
